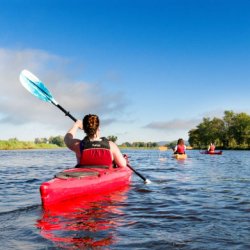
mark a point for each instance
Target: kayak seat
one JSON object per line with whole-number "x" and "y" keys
{"x": 75, "y": 174}
{"x": 91, "y": 166}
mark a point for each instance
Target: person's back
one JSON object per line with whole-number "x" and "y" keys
{"x": 211, "y": 148}
{"x": 95, "y": 152}
{"x": 93, "y": 149}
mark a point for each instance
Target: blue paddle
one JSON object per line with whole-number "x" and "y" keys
{"x": 39, "y": 90}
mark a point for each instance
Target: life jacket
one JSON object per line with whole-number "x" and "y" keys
{"x": 95, "y": 153}
{"x": 212, "y": 148}
{"x": 180, "y": 149}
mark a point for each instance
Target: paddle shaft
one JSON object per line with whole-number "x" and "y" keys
{"x": 142, "y": 177}
{"x": 65, "y": 112}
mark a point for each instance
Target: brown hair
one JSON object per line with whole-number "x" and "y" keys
{"x": 180, "y": 141}
{"x": 90, "y": 124}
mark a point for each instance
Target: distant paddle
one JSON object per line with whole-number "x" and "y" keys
{"x": 39, "y": 90}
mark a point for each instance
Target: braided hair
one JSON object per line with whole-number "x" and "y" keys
{"x": 90, "y": 124}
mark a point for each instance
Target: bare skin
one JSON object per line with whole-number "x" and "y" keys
{"x": 74, "y": 144}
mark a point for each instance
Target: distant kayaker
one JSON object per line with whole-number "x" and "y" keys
{"x": 93, "y": 149}
{"x": 180, "y": 148}
{"x": 211, "y": 148}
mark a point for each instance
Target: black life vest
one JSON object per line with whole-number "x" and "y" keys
{"x": 95, "y": 153}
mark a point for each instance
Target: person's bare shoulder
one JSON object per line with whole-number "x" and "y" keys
{"x": 113, "y": 145}
{"x": 74, "y": 145}
{"x": 117, "y": 155}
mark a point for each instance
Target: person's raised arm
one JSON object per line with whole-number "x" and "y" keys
{"x": 69, "y": 138}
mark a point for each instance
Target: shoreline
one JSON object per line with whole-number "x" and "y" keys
{"x": 26, "y": 145}
{"x": 53, "y": 146}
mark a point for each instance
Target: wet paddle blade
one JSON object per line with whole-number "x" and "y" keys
{"x": 36, "y": 87}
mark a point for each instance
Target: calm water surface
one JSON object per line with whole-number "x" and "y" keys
{"x": 202, "y": 202}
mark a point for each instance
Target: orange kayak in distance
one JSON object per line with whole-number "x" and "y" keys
{"x": 179, "y": 156}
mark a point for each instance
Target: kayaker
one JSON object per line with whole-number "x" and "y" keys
{"x": 180, "y": 148}
{"x": 211, "y": 148}
{"x": 93, "y": 149}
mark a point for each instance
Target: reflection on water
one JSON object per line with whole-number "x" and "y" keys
{"x": 84, "y": 223}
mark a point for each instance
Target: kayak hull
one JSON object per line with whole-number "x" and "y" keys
{"x": 212, "y": 153}
{"x": 180, "y": 156}
{"x": 83, "y": 182}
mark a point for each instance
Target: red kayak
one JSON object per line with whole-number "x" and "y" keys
{"x": 78, "y": 182}
{"x": 212, "y": 153}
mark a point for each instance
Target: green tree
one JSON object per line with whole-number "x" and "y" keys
{"x": 231, "y": 131}
{"x": 112, "y": 138}
{"x": 241, "y": 129}
{"x": 216, "y": 128}
{"x": 195, "y": 138}
{"x": 57, "y": 140}
{"x": 139, "y": 144}
{"x": 40, "y": 140}
{"x": 204, "y": 130}
{"x": 126, "y": 144}
{"x": 151, "y": 144}
{"x": 228, "y": 128}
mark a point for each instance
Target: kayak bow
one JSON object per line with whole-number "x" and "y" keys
{"x": 179, "y": 156}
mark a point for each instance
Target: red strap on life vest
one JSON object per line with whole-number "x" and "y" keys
{"x": 96, "y": 156}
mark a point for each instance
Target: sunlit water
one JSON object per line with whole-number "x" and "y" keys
{"x": 202, "y": 202}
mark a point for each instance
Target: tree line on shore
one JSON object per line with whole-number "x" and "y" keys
{"x": 14, "y": 143}
{"x": 230, "y": 132}
{"x": 58, "y": 142}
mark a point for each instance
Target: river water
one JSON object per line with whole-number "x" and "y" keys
{"x": 202, "y": 202}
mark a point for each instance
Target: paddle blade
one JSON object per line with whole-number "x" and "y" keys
{"x": 36, "y": 87}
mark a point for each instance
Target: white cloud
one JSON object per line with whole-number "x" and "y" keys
{"x": 18, "y": 106}
{"x": 176, "y": 124}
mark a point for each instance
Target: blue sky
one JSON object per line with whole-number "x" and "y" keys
{"x": 150, "y": 69}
